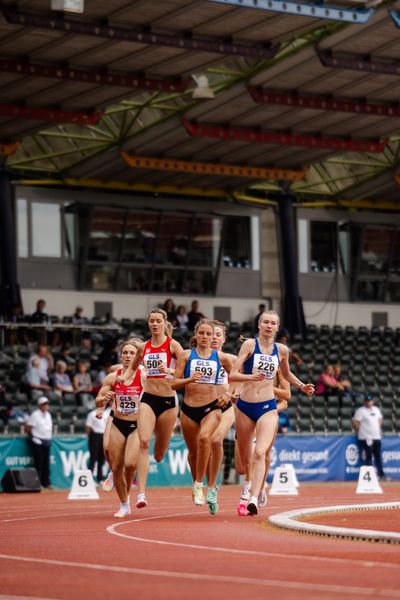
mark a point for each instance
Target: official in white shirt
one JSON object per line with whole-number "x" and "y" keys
{"x": 367, "y": 421}
{"x": 39, "y": 427}
{"x": 95, "y": 430}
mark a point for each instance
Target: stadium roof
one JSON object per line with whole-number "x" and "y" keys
{"x": 307, "y": 102}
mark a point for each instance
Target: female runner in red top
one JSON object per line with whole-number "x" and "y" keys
{"x": 124, "y": 442}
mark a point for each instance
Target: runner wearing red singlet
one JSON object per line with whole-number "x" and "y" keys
{"x": 158, "y": 406}
{"x": 123, "y": 438}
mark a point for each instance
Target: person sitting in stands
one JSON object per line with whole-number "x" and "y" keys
{"x": 62, "y": 381}
{"x": 37, "y": 385}
{"x": 46, "y": 362}
{"x": 82, "y": 380}
{"x": 328, "y": 384}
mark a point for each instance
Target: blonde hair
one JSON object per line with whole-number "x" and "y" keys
{"x": 135, "y": 342}
{"x": 270, "y": 312}
{"x": 169, "y": 328}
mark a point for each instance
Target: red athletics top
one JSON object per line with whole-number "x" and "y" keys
{"x": 154, "y": 357}
{"x": 127, "y": 397}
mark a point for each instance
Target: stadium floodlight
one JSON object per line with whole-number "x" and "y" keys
{"x": 202, "y": 91}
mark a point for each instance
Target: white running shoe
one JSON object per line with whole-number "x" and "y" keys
{"x": 108, "y": 483}
{"x": 198, "y": 496}
{"x": 252, "y": 506}
{"x": 262, "y": 497}
{"x": 141, "y": 501}
{"x": 124, "y": 511}
{"x": 245, "y": 495}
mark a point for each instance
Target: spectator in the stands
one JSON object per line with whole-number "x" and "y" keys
{"x": 344, "y": 381}
{"x": 77, "y": 318}
{"x": 261, "y": 309}
{"x": 82, "y": 380}
{"x": 328, "y": 385}
{"x": 283, "y": 338}
{"x": 62, "y": 381}
{"x": 182, "y": 319}
{"x": 40, "y": 316}
{"x": 46, "y": 362}
{"x": 194, "y": 315}
{"x": 65, "y": 355}
{"x": 170, "y": 309}
{"x": 36, "y": 383}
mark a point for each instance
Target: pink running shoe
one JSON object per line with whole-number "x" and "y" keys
{"x": 242, "y": 510}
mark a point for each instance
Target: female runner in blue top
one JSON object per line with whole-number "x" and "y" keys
{"x": 256, "y": 366}
{"x": 198, "y": 370}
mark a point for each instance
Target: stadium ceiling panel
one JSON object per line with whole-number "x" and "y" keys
{"x": 81, "y": 93}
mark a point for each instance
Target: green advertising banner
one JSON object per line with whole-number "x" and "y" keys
{"x": 71, "y": 453}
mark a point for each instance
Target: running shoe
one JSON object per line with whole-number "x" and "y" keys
{"x": 245, "y": 495}
{"x": 141, "y": 501}
{"x": 108, "y": 483}
{"x": 198, "y": 496}
{"x": 252, "y": 506}
{"x": 212, "y": 500}
{"x": 242, "y": 509}
{"x": 124, "y": 511}
{"x": 262, "y": 498}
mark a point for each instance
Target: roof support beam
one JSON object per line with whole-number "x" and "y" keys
{"x": 51, "y": 115}
{"x": 356, "y": 63}
{"x": 323, "y": 103}
{"x": 58, "y": 22}
{"x": 203, "y": 168}
{"x": 280, "y": 138}
{"x": 95, "y": 76}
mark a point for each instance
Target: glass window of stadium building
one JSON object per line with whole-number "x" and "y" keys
{"x": 86, "y": 241}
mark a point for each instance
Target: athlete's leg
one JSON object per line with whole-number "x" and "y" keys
{"x": 146, "y": 424}
{"x": 265, "y": 432}
{"x": 190, "y": 432}
{"x": 116, "y": 448}
{"x": 208, "y": 426}
{"x": 217, "y": 450}
{"x": 130, "y": 459}
{"x": 163, "y": 431}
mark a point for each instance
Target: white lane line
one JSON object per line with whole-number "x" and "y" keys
{"x": 112, "y": 529}
{"x": 373, "y": 592}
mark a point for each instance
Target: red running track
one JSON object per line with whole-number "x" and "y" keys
{"x": 52, "y": 547}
